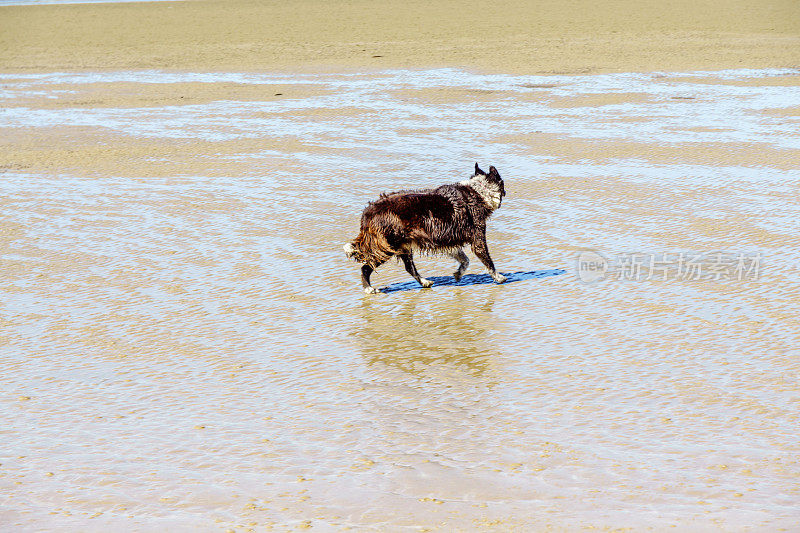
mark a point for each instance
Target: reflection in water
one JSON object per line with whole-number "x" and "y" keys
{"x": 425, "y": 330}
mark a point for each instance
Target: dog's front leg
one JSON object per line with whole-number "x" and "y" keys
{"x": 481, "y": 250}
{"x": 366, "y": 271}
{"x": 411, "y": 268}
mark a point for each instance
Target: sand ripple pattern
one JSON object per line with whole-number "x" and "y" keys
{"x": 185, "y": 346}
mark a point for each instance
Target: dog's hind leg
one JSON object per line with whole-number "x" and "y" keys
{"x": 463, "y": 263}
{"x": 411, "y": 268}
{"x": 366, "y": 271}
{"x": 480, "y": 249}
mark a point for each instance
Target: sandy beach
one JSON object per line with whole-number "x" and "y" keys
{"x": 520, "y": 37}
{"x": 185, "y": 347}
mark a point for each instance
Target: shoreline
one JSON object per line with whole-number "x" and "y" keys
{"x": 313, "y": 36}
{"x": 52, "y": 141}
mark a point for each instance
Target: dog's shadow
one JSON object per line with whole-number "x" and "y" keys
{"x": 472, "y": 279}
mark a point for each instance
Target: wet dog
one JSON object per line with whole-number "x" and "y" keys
{"x": 434, "y": 221}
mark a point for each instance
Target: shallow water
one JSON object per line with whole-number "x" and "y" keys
{"x": 185, "y": 345}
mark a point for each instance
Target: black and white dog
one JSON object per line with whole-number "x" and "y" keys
{"x": 439, "y": 221}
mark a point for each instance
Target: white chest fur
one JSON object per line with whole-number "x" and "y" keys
{"x": 488, "y": 191}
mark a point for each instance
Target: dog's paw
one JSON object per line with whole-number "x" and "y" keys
{"x": 426, "y": 283}
{"x": 457, "y": 275}
{"x": 371, "y": 290}
{"x": 498, "y": 278}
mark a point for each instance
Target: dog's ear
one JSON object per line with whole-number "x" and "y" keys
{"x": 493, "y": 172}
{"x": 478, "y": 170}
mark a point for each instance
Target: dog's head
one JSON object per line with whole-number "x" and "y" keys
{"x": 492, "y": 177}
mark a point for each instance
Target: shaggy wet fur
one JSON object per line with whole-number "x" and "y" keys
{"x": 440, "y": 220}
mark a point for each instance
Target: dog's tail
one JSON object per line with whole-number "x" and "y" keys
{"x": 370, "y": 248}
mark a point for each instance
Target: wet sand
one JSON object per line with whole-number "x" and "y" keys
{"x": 184, "y": 345}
